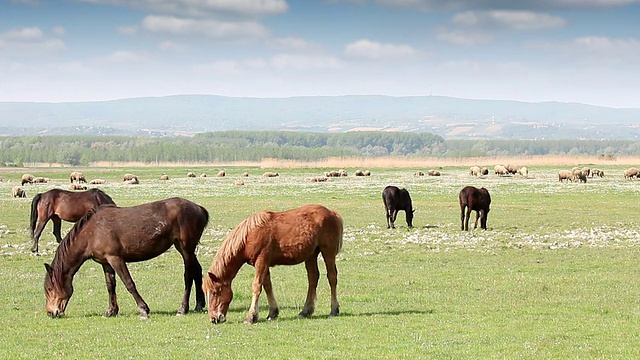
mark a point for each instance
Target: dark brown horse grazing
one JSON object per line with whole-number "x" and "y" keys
{"x": 114, "y": 236}
{"x": 474, "y": 199}
{"x": 394, "y": 200}
{"x": 266, "y": 239}
{"x": 57, "y": 205}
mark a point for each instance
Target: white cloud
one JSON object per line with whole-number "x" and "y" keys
{"x": 534, "y": 5}
{"x": 375, "y": 50}
{"x": 295, "y": 43}
{"x": 28, "y": 41}
{"x": 171, "y": 46}
{"x": 204, "y": 28}
{"x": 595, "y": 48}
{"x": 479, "y": 27}
{"x": 305, "y": 62}
{"x": 203, "y": 8}
{"x": 59, "y": 31}
{"x": 122, "y": 56}
{"x": 520, "y": 20}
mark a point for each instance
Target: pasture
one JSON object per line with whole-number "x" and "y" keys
{"x": 554, "y": 276}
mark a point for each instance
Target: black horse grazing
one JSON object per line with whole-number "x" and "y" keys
{"x": 396, "y": 199}
{"x": 474, "y": 199}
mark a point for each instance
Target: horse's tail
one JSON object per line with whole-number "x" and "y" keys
{"x": 34, "y": 212}
{"x": 340, "y": 230}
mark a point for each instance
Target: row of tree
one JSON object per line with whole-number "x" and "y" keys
{"x": 255, "y": 145}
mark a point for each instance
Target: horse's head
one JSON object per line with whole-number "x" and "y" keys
{"x": 219, "y": 296}
{"x": 410, "y": 217}
{"x": 56, "y": 293}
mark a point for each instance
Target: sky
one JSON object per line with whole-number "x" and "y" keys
{"x": 583, "y": 51}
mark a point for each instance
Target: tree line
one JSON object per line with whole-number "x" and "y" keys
{"x": 227, "y": 146}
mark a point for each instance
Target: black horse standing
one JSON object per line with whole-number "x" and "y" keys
{"x": 396, "y": 199}
{"x": 474, "y": 199}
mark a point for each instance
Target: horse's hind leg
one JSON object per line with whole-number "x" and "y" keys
{"x": 332, "y": 276}
{"x": 475, "y": 225}
{"x": 121, "y": 269}
{"x": 110, "y": 278}
{"x": 57, "y": 228}
{"x": 274, "y": 311}
{"x": 313, "y": 274}
{"x": 36, "y": 234}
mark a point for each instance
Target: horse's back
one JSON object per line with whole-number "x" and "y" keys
{"x": 395, "y": 198}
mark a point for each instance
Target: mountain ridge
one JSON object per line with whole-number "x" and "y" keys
{"x": 452, "y": 118}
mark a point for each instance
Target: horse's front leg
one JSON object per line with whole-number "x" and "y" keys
{"x": 274, "y": 311}
{"x": 121, "y": 269}
{"x": 256, "y": 289}
{"x": 57, "y": 228}
{"x": 313, "y": 274}
{"x": 394, "y": 215}
{"x": 110, "y": 278}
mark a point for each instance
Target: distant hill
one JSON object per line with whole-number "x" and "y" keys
{"x": 451, "y": 118}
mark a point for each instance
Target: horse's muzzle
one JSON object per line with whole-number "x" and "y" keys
{"x": 219, "y": 319}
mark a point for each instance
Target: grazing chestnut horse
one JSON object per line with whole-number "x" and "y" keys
{"x": 474, "y": 199}
{"x": 266, "y": 239}
{"x": 114, "y": 236}
{"x": 394, "y": 200}
{"x": 57, "y": 205}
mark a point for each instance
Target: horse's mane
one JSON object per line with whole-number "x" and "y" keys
{"x": 68, "y": 240}
{"x": 235, "y": 241}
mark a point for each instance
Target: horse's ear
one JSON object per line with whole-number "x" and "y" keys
{"x": 48, "y": 268}
{"x": 213, "y": 277}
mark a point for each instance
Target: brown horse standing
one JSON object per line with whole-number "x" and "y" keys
{"x": 114, "y": 236}
{"x": 474, "y": 199}
{"x": 266, "y": 239}
{"x": 57, "y": 205}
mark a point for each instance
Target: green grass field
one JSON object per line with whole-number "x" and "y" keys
{"x": 555, "y": 275}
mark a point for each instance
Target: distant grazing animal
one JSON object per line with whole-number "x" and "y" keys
{"x": 418, "y": 173}
{"x": 97, "y": 181}
{"x": 586, "y": 171}
{"x": 579, "y": 176}
{"x": 511, "y": 169}
{"x": 396, "y": 199}
{"x": 270, "y": 174}
{"x": 57, "y": 205}
{"x": 433, "y": 173}
{"x": 238, "y": 182}
{"x": 133, "y": 181}
{"x": 203, "y": 175}
{"x": 41, "y": 180}
{"x": 523, "y": 171}
{"x": 319, "y": 179}
{"x": 113, "y": 236}
{"x": 332, "y": 173}
{"x": 359, "y": 173}
{"x": 343, "y": 172}
{"x": 77, "y": 187}
{"x": 77, "y": 177}
{"x": 474, "y": 199}
{"x": 367, "y": 173}
{"x": 164, "y": 177}
{"x": 27, "y": 179}
{"x": 597, "y": 172}
{"x": 500, "y": 170}
{"x": 475, "y": 171}
{"x": 191, "y": 174}
{"x": 222, "y": 173}
{"x": 18, "y": 192}
{"x": 631, "y": 173}
{"x": 266, "y": 239}
{"x": 245, "y": 174}
{"x": 128, "y": 177}
{"x": 566, "y": 175}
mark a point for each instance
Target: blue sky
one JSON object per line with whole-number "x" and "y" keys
{"x": 585, "y": 51}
